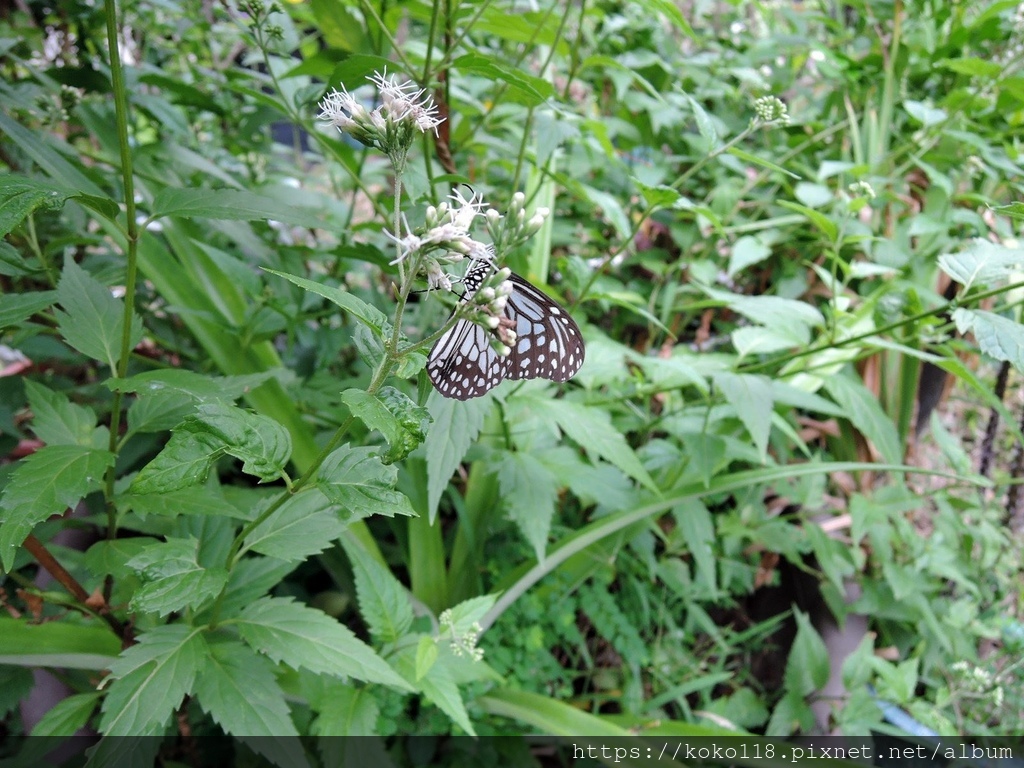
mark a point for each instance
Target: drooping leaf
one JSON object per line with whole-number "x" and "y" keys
{"x": 751, "y": 397}
{"x": 865, "y": 413}
{"x": 529, "y": 491}
{"x": 982, "y": 263}
{"x": 807, "y": 667}
{"x": 999, "y": 337}
{"x": 371, "y": 317}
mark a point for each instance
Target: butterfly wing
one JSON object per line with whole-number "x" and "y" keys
{"x": 548, "y": 345}
{"x": 462, "y": 363}
{"x": 548, "y": 341}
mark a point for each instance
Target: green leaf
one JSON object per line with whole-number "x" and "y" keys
{"x": 200, "y": 387}
{"x": 427, "y": 654}
{"x": 465, "y": 615}
{"x": 817, "y": 218}
{"x": 370, "y": 316}
{"x": 529, "y": 491}
{"x": 1013, "y": 210}
{"x": 698, "y": 531}
{"x": 341, "y": 29}
{"x": 18, "y": 307}
{"x": 455, "y": 428}
{"x": 47, "y": 483}
{"x": 185, "y": 461}
{"x": 746, "y": 252}
{"x": 755, "y": 160}
{"x": 523, "y": 88}
{"x": 57, "y": 421}
{"x": 234, "y": 204}
{"x": 93, "y": 319}
{"x": 592, "y": 429}
{"x": 751, "y": 396}
{"x": 185, "y": 501}
{"x": 705, "y": 125}
{"x": 999, "y": 337}
{"x": 923, "y": 113}
{"x": 864, "y": 411}
{"x": 657, "y": 197}
{"x": 305, "y": 525}
{"x": 16, "y": 683}
{"x": 438, "y": 685}
{"x": 345, "y": 710}
{"x": 356, "y": 479}
{"x": 238, "y": 689}
{"x": 972, "y": 66}
{"x": 21, "y": 195}
{"x": 70, "y": 644}
{"x": 302, "y": 637}
{"x": 671, "y": 11}
{"x": 150, "y": 680}
{"x": 383, "y": 601}
{"x": 175, "y": 580}
{"x": 982, "y": 263}
{"x": 67, "y": 716}
{"x": 807, "y": 667}
{"x": 773, "y": 311}
{"x": 394, "y": 415}
{"x": 213, "y": 430}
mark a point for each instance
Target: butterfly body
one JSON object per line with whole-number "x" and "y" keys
{"x": 548, "y": 343}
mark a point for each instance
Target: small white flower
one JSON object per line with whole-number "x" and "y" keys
{"x": 436, "y": 277}
{"x": 465, "y": 211}
{"x": 342, "y": 110}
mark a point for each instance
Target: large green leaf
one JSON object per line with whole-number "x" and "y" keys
{"x": 303, "y": 637}
{"x": 356, "y": 479}
{"x": 304, "y": 525}
{"x": 383, "y": 601}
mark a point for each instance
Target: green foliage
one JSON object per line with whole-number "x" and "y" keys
{"x": 215, "y": 346}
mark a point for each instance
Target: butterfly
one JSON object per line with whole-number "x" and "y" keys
{"x": 548, "y": 344}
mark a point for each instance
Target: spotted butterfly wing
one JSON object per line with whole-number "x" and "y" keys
{"x": 548, "y": 344}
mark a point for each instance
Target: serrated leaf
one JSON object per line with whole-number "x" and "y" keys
{"x": 239, "y": 205}
{"x": 47, "y": 483}
{"x": 463, "y": 616}
{"x": 456, "y": 426}
{"x": 58, "y": 421}
{"x": 184, "y": 462}
{"x": 525, "y": 89}
{"x": 864, "y": 411}
{"x": 1013, "y": 210}
{"x": 698, "y": 531}
{"x": 982, "y": 263}
{"x": 807, "y": 667}
{"x": 66, "y": 717}
{"x": 21, "y": 195}
{"x": 305, "y": 525}
{"x": 174, "y": 578}
{"x": 213, "y": 430}
{"x": 302, "y": 637}
{"x": 345, "y": 710}
{"x": 356, "y": 479}
{"x": 111, "y": 556}
{"x": 383, "y": 601}
{"x": 150, "y": 680}
{"x": 92, "y": 319}
{"x": 371, "y": 317}
{"x": 529, "y": 491}
{"x": 17, "y": 307}
{"x": 394, "y": 415}
{"x": 751, "y": 397}
{"x": 16, "y": 683}
{"x": 706, "y": 453}
{"x": 239, "y": 690}
{"x": 999, "y": 337}
{"x": 438, "y": 685}
{"x": 200, "y": 387}
{"x": 592, "y": 429}
{"x": 426, "y": 656}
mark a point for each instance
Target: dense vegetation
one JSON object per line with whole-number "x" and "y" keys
{"x": 776, "y": 499}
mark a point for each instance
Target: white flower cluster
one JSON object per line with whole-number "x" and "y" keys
{"x": 391, "y": 127}
{"x": 771, "y": 109}
{"x": 463, "y": 645}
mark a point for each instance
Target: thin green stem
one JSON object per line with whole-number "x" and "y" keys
{"x": 121, "y": 367}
